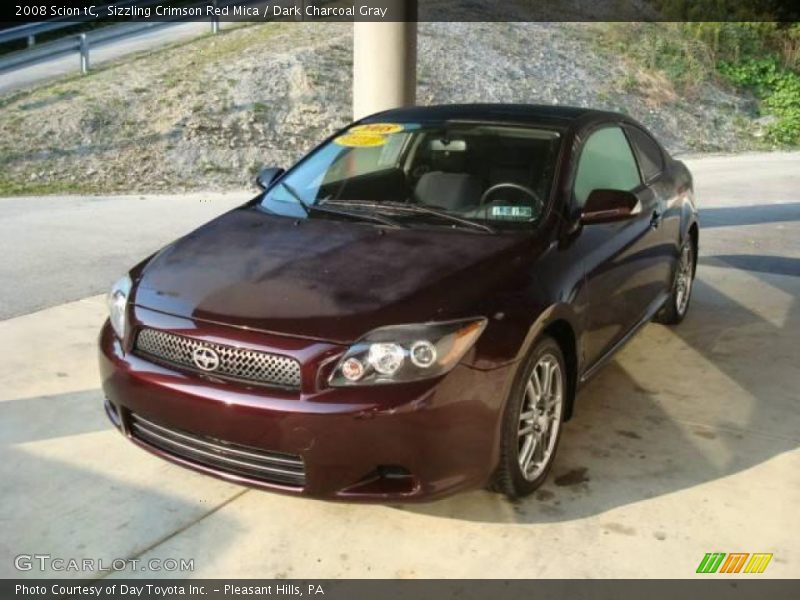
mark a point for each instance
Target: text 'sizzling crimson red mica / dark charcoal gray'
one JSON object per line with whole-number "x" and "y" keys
{"x": 410, "y": 310}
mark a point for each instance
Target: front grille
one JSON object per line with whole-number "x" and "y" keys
{"x": 271, "y": 467}
{"x": 234, "y": 363}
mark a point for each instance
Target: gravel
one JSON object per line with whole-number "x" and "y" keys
{"x": 208, "y": 114}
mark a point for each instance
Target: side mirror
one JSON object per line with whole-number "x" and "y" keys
{"x": 267, "y": 175}
{"x": 606, "y": 206}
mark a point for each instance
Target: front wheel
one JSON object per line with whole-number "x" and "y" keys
{"x": 677, "y": 304}
{"x": 532, "y": 422}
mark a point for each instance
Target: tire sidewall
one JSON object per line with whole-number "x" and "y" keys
{"x": 669, "y": 314}
{"x": 680, "y": 315}
{"x": 522, "y": 486}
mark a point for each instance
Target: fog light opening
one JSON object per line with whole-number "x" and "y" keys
{"x": 384, "y": 480}
{"x": 393, "y": 472}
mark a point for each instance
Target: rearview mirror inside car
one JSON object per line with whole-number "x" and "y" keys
{"x": 606, "y": 206}
{"x": 267, "y": 175}
{"x": 448, "y": 145}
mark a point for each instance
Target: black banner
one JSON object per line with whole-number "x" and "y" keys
{"x": 713, "y": 588}
{"x": 27, "y": 11}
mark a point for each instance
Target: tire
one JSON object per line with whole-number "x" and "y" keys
{"x": 510, "y": 478}
{"x": 677, "y": 305}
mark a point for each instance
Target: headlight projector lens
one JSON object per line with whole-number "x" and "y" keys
{"x": 386, "y": 359}
{"x": 423, "y": 354}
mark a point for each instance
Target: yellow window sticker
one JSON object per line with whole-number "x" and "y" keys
{"x": 360, "y": 140}
{"x": 380, "y": 128}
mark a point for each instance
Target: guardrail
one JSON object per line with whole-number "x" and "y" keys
{"x": 83, "y": 42}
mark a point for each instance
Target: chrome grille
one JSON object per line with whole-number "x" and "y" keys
{"x": 234, "y": 363}
{"x": 274, "y": 467}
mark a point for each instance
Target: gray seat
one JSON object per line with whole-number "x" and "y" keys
{"x": 457, "y": 192}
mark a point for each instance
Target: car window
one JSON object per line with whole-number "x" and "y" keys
{"x": 606, "y": 162}
{"x": 473, "y": 171}
{"x": 368, "y": 160}
{"x": 647, "y": 151}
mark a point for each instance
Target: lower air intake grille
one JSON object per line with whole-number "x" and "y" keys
{"x": 271, "y": 467}
{"x": 232, "y": 363}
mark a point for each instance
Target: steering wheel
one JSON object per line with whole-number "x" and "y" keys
{"x": 514, "y": 186}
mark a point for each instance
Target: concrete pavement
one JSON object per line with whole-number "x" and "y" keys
{"x": 79, "y": 245}
{"x": 686, "y": 443}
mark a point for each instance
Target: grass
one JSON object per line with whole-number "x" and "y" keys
{"x": 762, "y": 59}
{"x": 11, "y": 187}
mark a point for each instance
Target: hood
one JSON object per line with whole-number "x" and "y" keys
{"x": 325, "y": 279}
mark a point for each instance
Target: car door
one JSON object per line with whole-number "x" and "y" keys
{"x": 665, "y": 220}
{"x": 617, "y": 256}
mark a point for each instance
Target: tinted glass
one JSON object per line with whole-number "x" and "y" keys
{"x": 606, "y": 162}
{"x": 480, "y": 172}
{"x": 647, "y": 151}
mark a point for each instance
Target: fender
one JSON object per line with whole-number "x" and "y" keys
{"x": 556, "y": 315}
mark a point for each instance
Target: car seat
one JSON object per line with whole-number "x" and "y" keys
{"x": 449, "y": 186}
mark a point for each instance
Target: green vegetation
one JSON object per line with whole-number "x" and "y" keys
{"x": 777, "y": 88}
{"x": 10, "y": 187}
{"x": 760, "y": 58}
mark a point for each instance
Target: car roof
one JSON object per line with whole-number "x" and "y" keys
{"x": 529, "y": 114}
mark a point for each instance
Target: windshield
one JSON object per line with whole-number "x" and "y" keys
{"x": 444, "y": 174}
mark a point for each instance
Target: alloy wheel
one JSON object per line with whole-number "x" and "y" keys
{"x": 683, "y": 280}
{"x": 540, "y": 417}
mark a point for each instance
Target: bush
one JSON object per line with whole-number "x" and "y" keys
{"x": 777, "y": 87}
{"x": 763, "y": 57}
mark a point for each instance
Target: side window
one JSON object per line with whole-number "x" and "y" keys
{"x": 606, "y": 162}
{"x": 647, "y": 151}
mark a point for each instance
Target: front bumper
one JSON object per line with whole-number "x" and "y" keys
{"x": 403, "y": 442}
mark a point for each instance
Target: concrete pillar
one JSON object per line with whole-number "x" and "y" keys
{"x": 385, "y": 62}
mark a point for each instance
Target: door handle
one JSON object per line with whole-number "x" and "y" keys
{"x": 655, "y": 219}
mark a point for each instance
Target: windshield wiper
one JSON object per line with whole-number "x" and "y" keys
{"x": 419, "y": 208}
{"x": 309, "y": 208}
{"x": 426, "y": 210}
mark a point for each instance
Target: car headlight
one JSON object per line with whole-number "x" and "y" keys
{"x": 402, "y": 353}
{"x": 117, "y": 300}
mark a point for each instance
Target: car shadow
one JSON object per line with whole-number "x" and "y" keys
{"x": 778, "y": 265}
{"x": 759, "y": 214}
{"x": 679, "y": 406}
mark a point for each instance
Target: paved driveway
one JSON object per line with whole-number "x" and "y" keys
{"x": 687, "y": 443}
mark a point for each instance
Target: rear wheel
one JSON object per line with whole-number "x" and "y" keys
{"x": 532, "y": 421}
{"x": 677, "y": 304}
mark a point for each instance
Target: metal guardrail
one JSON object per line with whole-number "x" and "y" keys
{"x": 82, "y": 42}
{"x": 29, "y": 31}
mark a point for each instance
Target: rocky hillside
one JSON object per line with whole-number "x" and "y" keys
{"x": 208, "y": 114}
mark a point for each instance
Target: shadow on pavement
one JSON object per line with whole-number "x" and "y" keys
{"x": 729, "y": 216}
{"x": 777, "y": 265}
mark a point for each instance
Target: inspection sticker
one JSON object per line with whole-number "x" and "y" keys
{"x": 513, "y": 212}
{"x": 360, "y": 140}
{"x": 380, "y": 128}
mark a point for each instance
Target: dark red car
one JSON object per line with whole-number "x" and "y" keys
{"x": 408, "y": 311}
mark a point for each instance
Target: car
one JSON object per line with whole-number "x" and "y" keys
{"x": 410, "y": 310}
